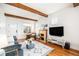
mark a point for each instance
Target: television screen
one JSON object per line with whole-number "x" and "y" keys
{"x": 56, "y": 31}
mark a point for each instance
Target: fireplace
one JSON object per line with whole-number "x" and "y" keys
{"x": 43, "y": 35}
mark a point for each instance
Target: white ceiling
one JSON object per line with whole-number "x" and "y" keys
{"x": 48, "y": 7}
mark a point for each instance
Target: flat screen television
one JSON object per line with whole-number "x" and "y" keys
{"x": 56, "y": 31}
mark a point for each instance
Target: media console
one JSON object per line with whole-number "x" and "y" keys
{"x": 57, "y": 41}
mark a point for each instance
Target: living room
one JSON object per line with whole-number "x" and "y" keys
{"x": 51, "y": 27}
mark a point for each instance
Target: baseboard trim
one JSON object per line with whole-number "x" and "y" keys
{"x": 75, "y": 50}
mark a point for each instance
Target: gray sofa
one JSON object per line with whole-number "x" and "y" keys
{"x": 12, "y": 50}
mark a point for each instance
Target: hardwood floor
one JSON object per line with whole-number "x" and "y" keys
{"x": 59, "y": 51}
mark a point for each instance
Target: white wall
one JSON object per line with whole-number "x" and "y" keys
{"x": 3, "y": 36}
{"x": 69, "y": 18}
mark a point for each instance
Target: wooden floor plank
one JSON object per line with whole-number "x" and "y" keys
{"x": 59, "y": 51}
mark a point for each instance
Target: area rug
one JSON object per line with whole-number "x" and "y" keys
{"x": 39, "y": 50}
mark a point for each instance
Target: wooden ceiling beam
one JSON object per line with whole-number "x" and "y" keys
{"x": 20, "y": 17}
{"x": 24, "y": 7}
{"x": 75, "y": 4}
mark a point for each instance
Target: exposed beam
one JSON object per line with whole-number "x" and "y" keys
{"x": 20, "y": 17}
{"x": 24, "y": 7}
{"x": 75, "y": 4}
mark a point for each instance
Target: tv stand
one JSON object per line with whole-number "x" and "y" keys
{"x": 57, "y": 41}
